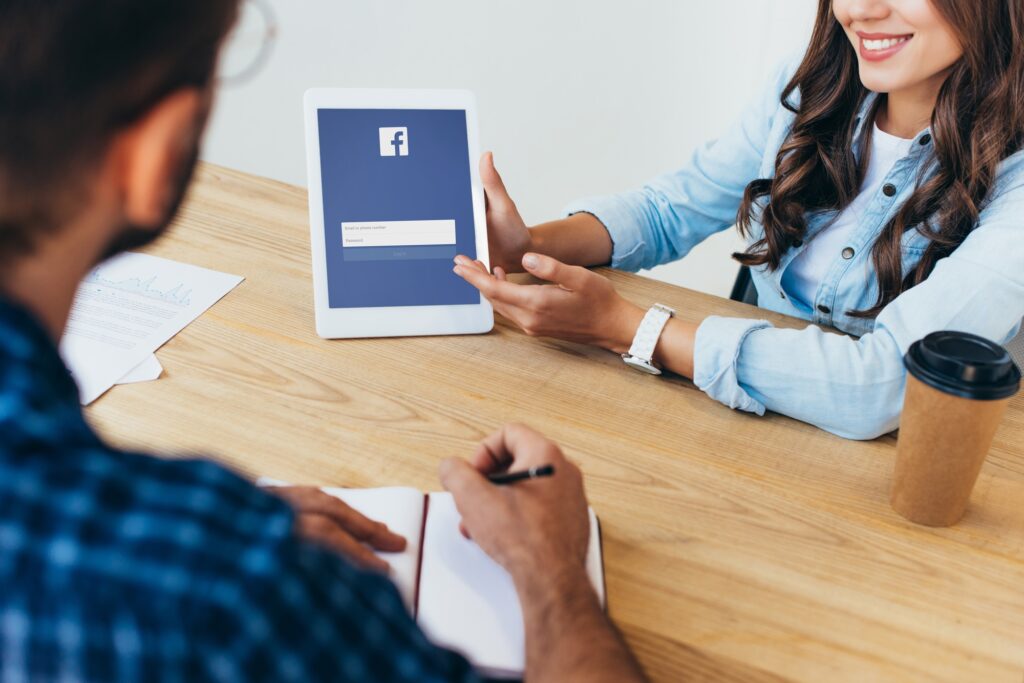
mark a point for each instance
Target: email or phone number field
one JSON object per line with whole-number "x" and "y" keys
{"x": 398, "y": 240}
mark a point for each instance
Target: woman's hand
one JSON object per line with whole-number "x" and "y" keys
{"x": 580, "y": 306}
{"x": 325, "y": 520}
{"x": 507, "y": 234}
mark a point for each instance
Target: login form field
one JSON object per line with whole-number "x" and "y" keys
{"x": 398, "y": 206}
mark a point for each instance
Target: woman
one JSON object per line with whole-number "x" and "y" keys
{"x": 882, "y": 193}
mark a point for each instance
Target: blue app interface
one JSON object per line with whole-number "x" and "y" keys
{"x": 398, "y": 206}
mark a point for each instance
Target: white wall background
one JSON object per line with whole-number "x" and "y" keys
{"x": 577, "y": 97}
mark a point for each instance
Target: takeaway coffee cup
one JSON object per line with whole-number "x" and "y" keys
{"x": 958, "y": 385}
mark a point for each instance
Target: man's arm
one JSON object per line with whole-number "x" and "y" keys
{"x": 539, "y": 531}
{"x": 568, "y": 636}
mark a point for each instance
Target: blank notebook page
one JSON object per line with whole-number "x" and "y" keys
{"x": 468, "y": 602}
{"x": 402, "y": 510}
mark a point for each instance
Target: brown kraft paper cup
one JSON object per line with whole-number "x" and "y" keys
{"x": 943, "y": 442}
{"x": 948, "y": 423}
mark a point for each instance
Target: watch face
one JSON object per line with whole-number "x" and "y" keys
{"x": 641, "y": 365}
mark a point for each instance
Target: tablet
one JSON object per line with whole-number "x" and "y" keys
{"x": 394, "y": 195}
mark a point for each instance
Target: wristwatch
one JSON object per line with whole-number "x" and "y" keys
{"x": 646, "y": 339}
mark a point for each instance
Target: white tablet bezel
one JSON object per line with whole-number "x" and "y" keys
{"x": 394, "y": 321}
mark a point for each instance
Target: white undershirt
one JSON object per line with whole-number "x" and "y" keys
{"x": 805, "y": 273}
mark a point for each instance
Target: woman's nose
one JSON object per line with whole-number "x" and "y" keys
{"x": 868, "y": 10}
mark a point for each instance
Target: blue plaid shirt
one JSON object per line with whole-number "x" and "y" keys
{"x": 123, "y": 567}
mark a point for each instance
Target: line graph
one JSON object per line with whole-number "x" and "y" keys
{"x": 179, "y": 295}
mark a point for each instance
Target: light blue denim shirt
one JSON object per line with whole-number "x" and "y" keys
{"x": 849, "y": 385}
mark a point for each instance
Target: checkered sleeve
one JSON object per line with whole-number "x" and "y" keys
{"x": 316, "y": 618}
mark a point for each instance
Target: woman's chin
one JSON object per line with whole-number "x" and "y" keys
{"x": 881, "y": 82}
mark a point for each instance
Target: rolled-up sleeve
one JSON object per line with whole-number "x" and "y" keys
{"x": 665, "y": 219}
{"x": 716, "y": 358}
{"x": 623, "y": 217}
{"x": 854, "y": 387}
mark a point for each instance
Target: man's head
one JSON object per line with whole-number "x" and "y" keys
{"x": 102, "y": 106}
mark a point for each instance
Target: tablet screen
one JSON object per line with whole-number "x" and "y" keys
{"x": 398, "y": 206}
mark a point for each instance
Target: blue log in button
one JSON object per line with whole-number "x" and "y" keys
{"x": 419, "y": 253}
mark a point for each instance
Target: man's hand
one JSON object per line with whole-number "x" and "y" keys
{"x": 325, "y": 520}
{"x": 532, "y": 527}
{"x": 507, "y": 234}
{"x": 580, "y": 306}
{"x": 539, "y": 531}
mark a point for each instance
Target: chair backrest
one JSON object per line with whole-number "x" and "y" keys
{"x": 1016, "y": 348}
{"x": 744, "y": 290}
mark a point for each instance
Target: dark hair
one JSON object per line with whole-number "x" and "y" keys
{"x": 73, "y": 73}
{"x": 977, "y": 123}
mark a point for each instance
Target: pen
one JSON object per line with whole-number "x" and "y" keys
{"x": 532, "y": 473}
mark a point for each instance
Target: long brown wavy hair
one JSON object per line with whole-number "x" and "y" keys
{"x": 978, "y": 122}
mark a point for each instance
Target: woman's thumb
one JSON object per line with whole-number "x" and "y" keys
{"x": 497, "y": 195}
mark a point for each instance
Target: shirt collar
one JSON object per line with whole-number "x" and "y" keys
{"x": 923, "y": 142}
{"x": 863, "y": 115}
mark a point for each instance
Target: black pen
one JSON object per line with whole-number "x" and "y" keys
{"x": 532, "y": 473}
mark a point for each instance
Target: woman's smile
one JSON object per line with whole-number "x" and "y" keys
{"x": 877, "y": 47}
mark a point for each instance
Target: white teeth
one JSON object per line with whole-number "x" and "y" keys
{"x": 876, "y": 45}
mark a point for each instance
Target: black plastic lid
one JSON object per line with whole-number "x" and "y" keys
{"x": 964, "y": 365}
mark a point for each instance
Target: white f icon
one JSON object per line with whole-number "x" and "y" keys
{"x": 394, "y": 142}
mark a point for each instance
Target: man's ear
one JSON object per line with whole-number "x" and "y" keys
{"x": 148, "y": 156}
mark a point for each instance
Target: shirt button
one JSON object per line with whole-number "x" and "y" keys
{"x": 889, "y": 190}
{"x": 925, "y": 139}
{"x": 848, "y": 253}
{"x": 798, "y": 243}
{"x": 824, "y": 309}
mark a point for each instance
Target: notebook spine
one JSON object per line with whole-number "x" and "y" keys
{"x": 419, "y": 559}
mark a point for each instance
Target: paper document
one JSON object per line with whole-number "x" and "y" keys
{"x": 146, "y": 371}
{"x": 126, "y": 309}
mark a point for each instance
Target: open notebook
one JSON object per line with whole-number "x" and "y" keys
{"x": 461, "y": 598}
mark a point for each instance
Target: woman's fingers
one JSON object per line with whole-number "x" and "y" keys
{"x": 536, "y": 309}
{"x": 493, "y": 288}
{"x": 462, "y": 260}
{"x": 571, "y": 278}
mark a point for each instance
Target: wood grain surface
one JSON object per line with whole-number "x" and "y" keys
{"x": 738, "y": 548}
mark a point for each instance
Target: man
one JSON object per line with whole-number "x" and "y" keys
{"x": 121, "y": 566}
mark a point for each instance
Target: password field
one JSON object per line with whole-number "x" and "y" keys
{"x": 397, "y": 233}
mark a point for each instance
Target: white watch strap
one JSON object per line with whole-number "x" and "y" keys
{"x": 647, "y": 335}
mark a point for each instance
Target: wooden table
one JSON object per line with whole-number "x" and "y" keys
{"x": 738, "y": 548}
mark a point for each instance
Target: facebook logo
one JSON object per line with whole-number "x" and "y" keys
{"x": 394, "y": 142}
